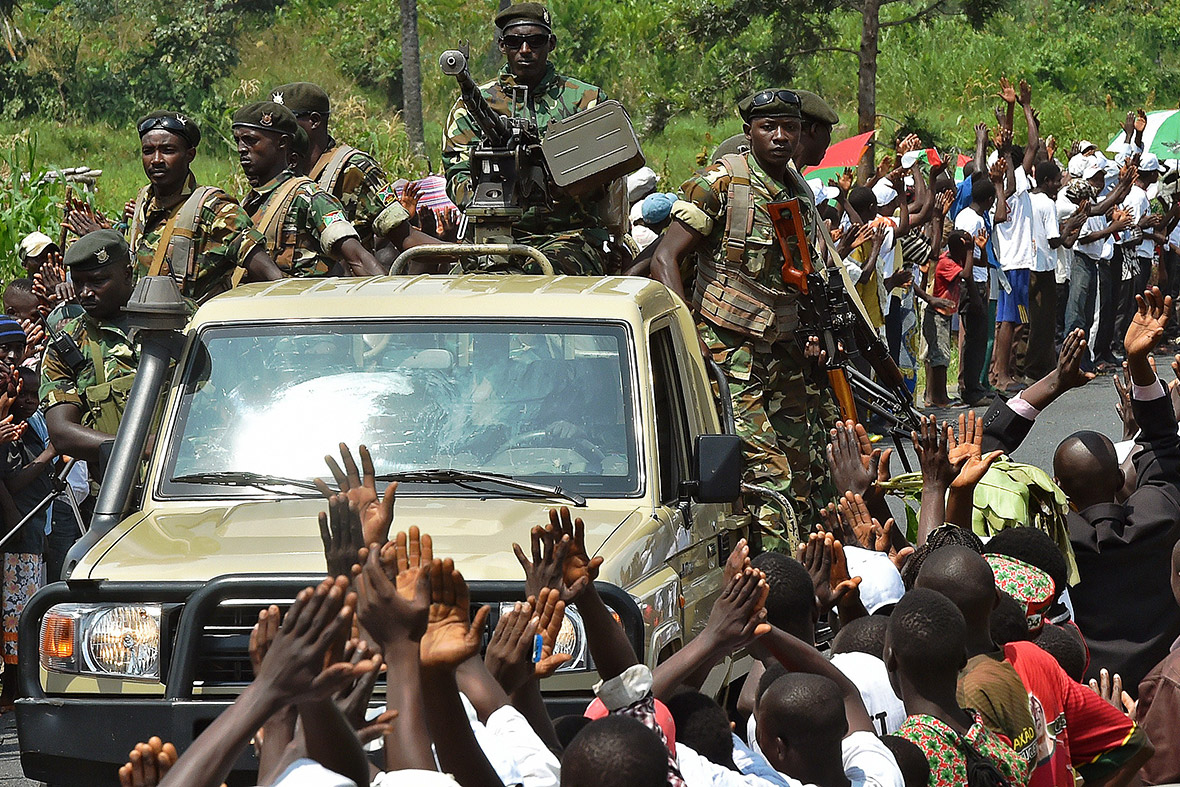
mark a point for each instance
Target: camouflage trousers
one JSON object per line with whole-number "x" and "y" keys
{"x": 783, "y": 413}
{"x": 572, "y": 253}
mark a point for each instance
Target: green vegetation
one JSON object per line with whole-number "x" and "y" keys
{"x": 88, "y": 68}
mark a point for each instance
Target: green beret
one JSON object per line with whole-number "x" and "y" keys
{"x": 816, "y": 109}
{"x": 773, "y": 102}
{"x": 301, "y": 97}
{"x": 524, "y": 14}
{"x": 96, "y": 249}
{"x": 172, "y": 122}
{"x": 267, "y": 116}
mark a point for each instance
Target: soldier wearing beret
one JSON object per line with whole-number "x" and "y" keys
{"x": 815, "y": 135}
{"x": 352, "y": 176}
{"x": 747, "y": 316}
{"x": 306, "y": 230}
{"x": 83, "y": 394}
{"x": 571, "y": 232}
{"x": 197, "y": 235}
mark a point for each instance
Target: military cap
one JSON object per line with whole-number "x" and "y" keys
{"x": 301, "y": 97}
{"x": 775, "y": 102}
{"x": 815, "y": 108}
{"x": 524, "y": 14}
{"x": 172, "y": 122}
{"x": 267, "y": 116}
{"x": 96, "y": 249}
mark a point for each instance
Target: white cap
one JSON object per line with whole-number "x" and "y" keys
{"x": 880, "y": 583}
{"x": 640, "y": 183}
{"x": 1092, "y": 168}
{"x": 1149, "y": 162}
{"x": 884, "y": 193}
{"x": 34, "y": 243}
{"x": 821, "y": 192}
{"x": 636, "y": 212}
{"x": 1077, "y": 165}
{"x": 1085, "y": 145}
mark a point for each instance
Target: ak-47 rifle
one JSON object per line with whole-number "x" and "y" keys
{"x": 845, "y": 336}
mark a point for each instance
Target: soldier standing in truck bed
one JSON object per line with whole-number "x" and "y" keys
{"x": 306, "y": 230}
{"x": 350, "y": 175}
{"x": 571, "y": 231}
{"x": 722, "y": 239}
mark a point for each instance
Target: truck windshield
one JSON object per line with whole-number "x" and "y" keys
{"x": 551, "y": 403}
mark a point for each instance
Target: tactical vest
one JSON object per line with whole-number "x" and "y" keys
{"x": 327, "y": 172}
{"x": 106, "y": 399}
{"x": 176, "y": 245}
{"x": 270, "y": 224}
{"x": 724, "y": 294}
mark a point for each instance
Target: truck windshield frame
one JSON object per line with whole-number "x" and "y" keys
{"x": 552, "y": 402}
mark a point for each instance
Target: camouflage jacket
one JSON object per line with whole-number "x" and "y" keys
{"x": 110, "y": 361}
{"x": 223, "y": 240}
{"x": 362, "y": 187}
{"x": 749, "y": 297}
{"x": 310, "y": 230}
{"x": 555, "y": 98}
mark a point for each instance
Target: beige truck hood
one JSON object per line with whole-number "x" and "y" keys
{"x": 193, "y": 542}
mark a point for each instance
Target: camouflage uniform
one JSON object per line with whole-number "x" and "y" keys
{"x": 223, "y": 240}
{"x": 570, "y": 232}
{"x": 782, "y": 409}
{"x": 102, "y": 384}
{"x": 312, "y": 227}
{"x": 362, "y": 187}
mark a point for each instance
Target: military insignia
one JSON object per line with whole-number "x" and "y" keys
{"x": 333, "y": 217}
{"x": 102, "y": 255}
{"x": 277, "y": 98}
{"x": 182, "y": 118}
{"x": 267, "y": 119}
{"x": 545, "y": 17}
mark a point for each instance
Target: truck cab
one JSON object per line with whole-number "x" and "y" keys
{"x": 490, "y": 399}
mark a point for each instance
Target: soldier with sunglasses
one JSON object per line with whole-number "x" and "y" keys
{"x": 571, "y": 231}
{"x": 721, "y": 256}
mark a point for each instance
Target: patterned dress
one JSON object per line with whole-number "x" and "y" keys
{"x": 943, "y": 749}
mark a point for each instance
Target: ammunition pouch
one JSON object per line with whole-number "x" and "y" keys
{"x": 732, "y": 300}
{"x": 106, "y": 402}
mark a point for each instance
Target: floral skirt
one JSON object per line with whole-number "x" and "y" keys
{"x": 22, "y": 578}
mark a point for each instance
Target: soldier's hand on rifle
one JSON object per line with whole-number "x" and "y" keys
{"x": 813, "y": 352}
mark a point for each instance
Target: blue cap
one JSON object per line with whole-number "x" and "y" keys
{"x": 10, "y": 331}
{"x": 657, "y": 207}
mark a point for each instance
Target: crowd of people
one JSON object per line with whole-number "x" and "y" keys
{"x": 1039, "y": 657}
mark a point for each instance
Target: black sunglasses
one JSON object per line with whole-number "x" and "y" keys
{"x": 535, "y": 41}
{"x": 768, "y": 97}
{"x": 167, "y": 122}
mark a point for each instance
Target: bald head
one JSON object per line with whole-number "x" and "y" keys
{"x": 1087, "y": 468}
{"x": 801, "y": 718}
{"x": 963, "y": 576}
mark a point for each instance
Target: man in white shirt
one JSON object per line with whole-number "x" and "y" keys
{"x": 973, "y": 304}
{"x": 1015, "y": 250}
{"x": 1042, "y": 289}
{"x": 1135, "y": 249}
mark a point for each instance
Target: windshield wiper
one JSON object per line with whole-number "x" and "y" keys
{"x": 459, "y": 476}
{"x": 243, "y": 478}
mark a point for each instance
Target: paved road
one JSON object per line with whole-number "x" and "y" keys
{"x": 1091, "y": 407}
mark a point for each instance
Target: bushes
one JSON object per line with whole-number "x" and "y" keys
{"x": 26, "y": 204}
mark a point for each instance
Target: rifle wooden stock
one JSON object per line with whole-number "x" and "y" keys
{"x": 838, "y": 379}
{"x": 787, "y": 221}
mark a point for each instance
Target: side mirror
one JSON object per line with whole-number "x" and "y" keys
{"x": 717, "y": 469}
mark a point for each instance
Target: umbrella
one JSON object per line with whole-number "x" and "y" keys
{"x": 846, "y": 153}
{"x": 1161, "y": 137}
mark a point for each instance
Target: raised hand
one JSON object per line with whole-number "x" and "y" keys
{"x": 263, "y": 633}
{"x": 738, "y": 560}
{"x": 448, "y": 224}
{"x": 974, "y": 469}
{"x": 969, "y": 441}
{"x": 550, "y": 611}
{"x": 996, "y": 172}
{"x": 847, "y": 179}
{"x": 147, "y": 764}
{"x": 578, "y": 568}
{"x": 409, "y": 197}
{"x": 738, "y": 616}
{"x": 353, "y": 702}
{"x": 884, "y": 543}
{"x": 852, "y": 471}
{"x": 1051, "y": 146}
{"x": 944, "y": 201}
{"x": 1025, "y": 95}
{"x": 1007, "y": 92}
{"x": 980, "y": 133}
{"x": 413, "y": 555}
{"x": 1152, "y": 311}
{"x": 83, "y": 222}
{"x": 1140, "y": 121}
{"x": 387, "y": 614}
{"x": 546, "y": 569}
{"x": 340, "y": 530}
{"x": 1069, "y": 362}
{"x": 509, "y": 654}
{"x": 376, "y": 514}
{"x": 451, "y": 635}
{"x": 931, "y": 445}
{"x": 1111, "y": 690}
{"x": 856, "y": 517}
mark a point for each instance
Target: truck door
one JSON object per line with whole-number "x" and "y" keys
{"x": 694, "y": 552}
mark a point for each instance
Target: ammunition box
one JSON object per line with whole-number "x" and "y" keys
{"x": 590, "y": 149}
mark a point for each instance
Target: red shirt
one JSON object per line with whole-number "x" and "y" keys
{"x": 946, "y": 281}
{"x": 1076, "y": 728}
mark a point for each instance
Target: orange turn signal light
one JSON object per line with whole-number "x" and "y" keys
{"x": 57, "y": 637}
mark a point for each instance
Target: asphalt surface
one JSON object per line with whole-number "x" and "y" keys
{"x": 1090, "y": 407}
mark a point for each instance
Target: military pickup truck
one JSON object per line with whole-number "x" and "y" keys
{"x": 489, "y": 398}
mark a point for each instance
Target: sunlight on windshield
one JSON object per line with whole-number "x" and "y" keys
{"x": 550, "y": 404}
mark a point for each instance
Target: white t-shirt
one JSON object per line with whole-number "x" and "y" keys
{"x": 1065, "y": 209}
{"x": 309, "y": 773}
{"x": 513, "y": 748}
{"x": 699, "y": 771}
{"x": 972, "y": 223}
{"x": 872, "y": 681}
{"x": 1045, "y": 229}
{"x": 1137, "y": 202}
{"x": 1013, "y": 239}
{"x": 867, "y": 761}
{"x": 414, "y": 777}
{"x": 1098, "y": 249}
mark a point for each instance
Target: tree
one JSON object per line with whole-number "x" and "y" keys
{"x": 412, "y": 78}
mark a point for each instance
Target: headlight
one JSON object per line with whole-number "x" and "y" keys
{"x": 571, "y": 639}
{"x": 102, "y": 639}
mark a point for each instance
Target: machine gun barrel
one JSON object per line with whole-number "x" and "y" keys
{"x": 453, "y": 62}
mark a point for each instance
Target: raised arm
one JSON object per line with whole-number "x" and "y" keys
{"x": 1034, "y": 134}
